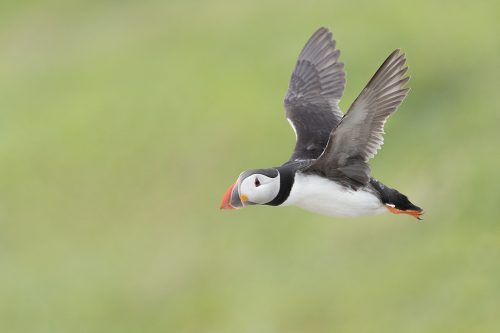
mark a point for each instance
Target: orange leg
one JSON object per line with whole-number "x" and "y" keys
{"x": 415, "y": 213}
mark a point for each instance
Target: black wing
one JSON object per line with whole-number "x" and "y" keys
{"x": 311, "y": 102}
{"x": 360, "y": 133}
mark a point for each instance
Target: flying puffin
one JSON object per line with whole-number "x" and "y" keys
{"x": 328, "y": 172}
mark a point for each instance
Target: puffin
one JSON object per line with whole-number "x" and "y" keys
{"x": 328, "y": 172}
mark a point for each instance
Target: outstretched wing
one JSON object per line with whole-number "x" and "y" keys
{"x": 360, "y": 133}
{"x": 311, "y": 102}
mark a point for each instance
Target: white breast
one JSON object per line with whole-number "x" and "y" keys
{"x": 323, "y": 196}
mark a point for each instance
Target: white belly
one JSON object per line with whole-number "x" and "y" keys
{"x": 323, "y": 196}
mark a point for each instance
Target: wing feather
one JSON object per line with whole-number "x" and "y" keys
{"x": 359, "y": 135}
{"x": 311, "y": 102}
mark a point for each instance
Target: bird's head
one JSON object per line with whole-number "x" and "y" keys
{"x": 253, "y": 187}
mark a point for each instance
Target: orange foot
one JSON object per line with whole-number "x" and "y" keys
{"x": 415, "y": 213}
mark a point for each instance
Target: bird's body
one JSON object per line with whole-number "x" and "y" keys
{"x": 328, "y": 172}
{"x": 327, "y": 197}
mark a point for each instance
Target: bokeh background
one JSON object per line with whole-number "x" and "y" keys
{"x": 122, "y": 123}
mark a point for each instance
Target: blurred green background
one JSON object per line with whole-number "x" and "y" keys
{"x": 122, "y": 123}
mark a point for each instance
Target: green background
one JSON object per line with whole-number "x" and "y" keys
{"x": 122, "y": 124}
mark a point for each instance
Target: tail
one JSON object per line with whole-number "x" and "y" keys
{"x": 396, "y": 202}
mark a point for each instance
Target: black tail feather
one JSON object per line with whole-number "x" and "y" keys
{"x": 393, "y": 197}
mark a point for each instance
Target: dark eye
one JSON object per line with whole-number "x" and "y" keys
{"x": 257, "y": 183}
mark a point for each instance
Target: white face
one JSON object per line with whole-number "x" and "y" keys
{"x": 258, "y": 189}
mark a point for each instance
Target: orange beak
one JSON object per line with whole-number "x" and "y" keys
{"x": 226, "y": 199}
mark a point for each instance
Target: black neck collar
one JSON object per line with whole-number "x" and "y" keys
{"x": 287, "y": 178}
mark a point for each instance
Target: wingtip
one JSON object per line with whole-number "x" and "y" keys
{"x": 395, "y": 52}
{"x": 396, "y": 56}
{"x": 324, "y": 31}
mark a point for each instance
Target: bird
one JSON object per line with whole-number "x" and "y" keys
{"x": 328, "y": 172}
